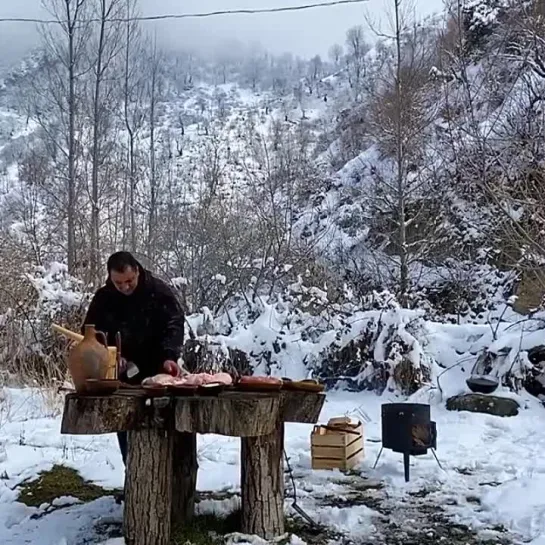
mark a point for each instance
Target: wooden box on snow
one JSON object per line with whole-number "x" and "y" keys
{"x": 339, "y": 445}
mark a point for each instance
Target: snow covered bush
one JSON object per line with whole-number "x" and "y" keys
{"x": 516, "y": 355}
{"x": 463, "y": 291}
{"x": 481, "y": 18}
{"x": 371, "y": 343}
{"x": 29, "y": 351}
{"x": 381, "y": 351}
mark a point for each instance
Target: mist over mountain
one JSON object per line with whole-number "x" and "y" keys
{"x": 304, "y": 33}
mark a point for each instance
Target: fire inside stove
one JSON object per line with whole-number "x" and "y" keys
{"x": 422, "y": 437}
{"x": 407, "y": 428}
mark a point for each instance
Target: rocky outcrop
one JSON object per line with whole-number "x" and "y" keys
{"x": 481, "y": 403}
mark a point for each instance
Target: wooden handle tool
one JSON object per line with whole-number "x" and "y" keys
{"x": 67, "y": 333}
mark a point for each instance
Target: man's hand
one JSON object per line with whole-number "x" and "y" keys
{"x": 171, "y": 368}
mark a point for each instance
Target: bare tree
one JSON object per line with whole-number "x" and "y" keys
{"x": 67, "y": 50}
{"x": 300, "y": 97}
{"x": 356, "y": 50}
{"x": 105, "y": 53}
{"x": 134, "y": 116}
{"x": 153, "y": 96}
{"x": 314, "y": 73}
{"x": 402, "y": 206}
{"x": 335, "y": 54}
{"x": 256, "y": 65}
{"x": 498, "y": 166}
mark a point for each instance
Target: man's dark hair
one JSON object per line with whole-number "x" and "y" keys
{"x": 120, "y": 261}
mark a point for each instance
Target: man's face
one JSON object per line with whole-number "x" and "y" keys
{"x": 126, "y": 281}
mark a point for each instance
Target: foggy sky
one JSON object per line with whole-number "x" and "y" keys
{"x": 304, "y": 33}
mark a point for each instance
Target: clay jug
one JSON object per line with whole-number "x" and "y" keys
{"x": 89, "y": 358}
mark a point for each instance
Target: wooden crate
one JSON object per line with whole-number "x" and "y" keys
{"x": 334, "y": 448}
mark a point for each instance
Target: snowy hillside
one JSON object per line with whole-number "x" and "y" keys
{"x": 271, "y": 191}
{"x": 373, "y": 220}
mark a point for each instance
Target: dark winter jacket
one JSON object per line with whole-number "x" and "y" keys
{"x": 150, "y": 320}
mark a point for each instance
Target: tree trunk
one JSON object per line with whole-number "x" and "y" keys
{"x": 95, "y": 211}
{"x": 132, "y": 192}
{"x": 94, "y": 415}
{"x": 400, "y": 160}
{"x": 262, "y": 484}
{"x": 184, "y": 478}
{"x": 130, "y": 126}
{"x": 71, "y": 212}
{"x": 152, "y": 219}
{"x": 148, "y": 488}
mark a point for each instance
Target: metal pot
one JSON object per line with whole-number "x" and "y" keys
{"x": 482, "y": 385}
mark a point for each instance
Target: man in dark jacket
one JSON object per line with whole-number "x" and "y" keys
{"x": 145, "y": 311}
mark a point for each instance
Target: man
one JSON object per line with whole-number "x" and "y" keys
{"x": 145, "y": 311}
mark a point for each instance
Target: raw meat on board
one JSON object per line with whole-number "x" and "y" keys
{"x": 196, "y": 379}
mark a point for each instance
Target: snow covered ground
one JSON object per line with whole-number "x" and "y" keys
{"x": 493, "y": 472}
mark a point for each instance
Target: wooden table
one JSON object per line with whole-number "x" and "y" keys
{"x": 161, "y": 473}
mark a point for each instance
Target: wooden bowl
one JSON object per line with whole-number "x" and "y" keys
{"x": 155, "y": 391}
{"x": 126, "y": 386}
{"x": 211, "y": 389}
{"x": 95, "y": 386}
{"x": 183, "y": 390}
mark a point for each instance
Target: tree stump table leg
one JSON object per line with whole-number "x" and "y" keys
{"x": 184, "y": 477}
{"x": 262, "y": 484}
{"x": 148, "y": 488}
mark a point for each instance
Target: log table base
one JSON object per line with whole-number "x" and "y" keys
{"x": 148, "y": 488}
{"x": 262, "y": 484}
{"x": 162, "y": 464}
{"x": 184, "y": 477}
